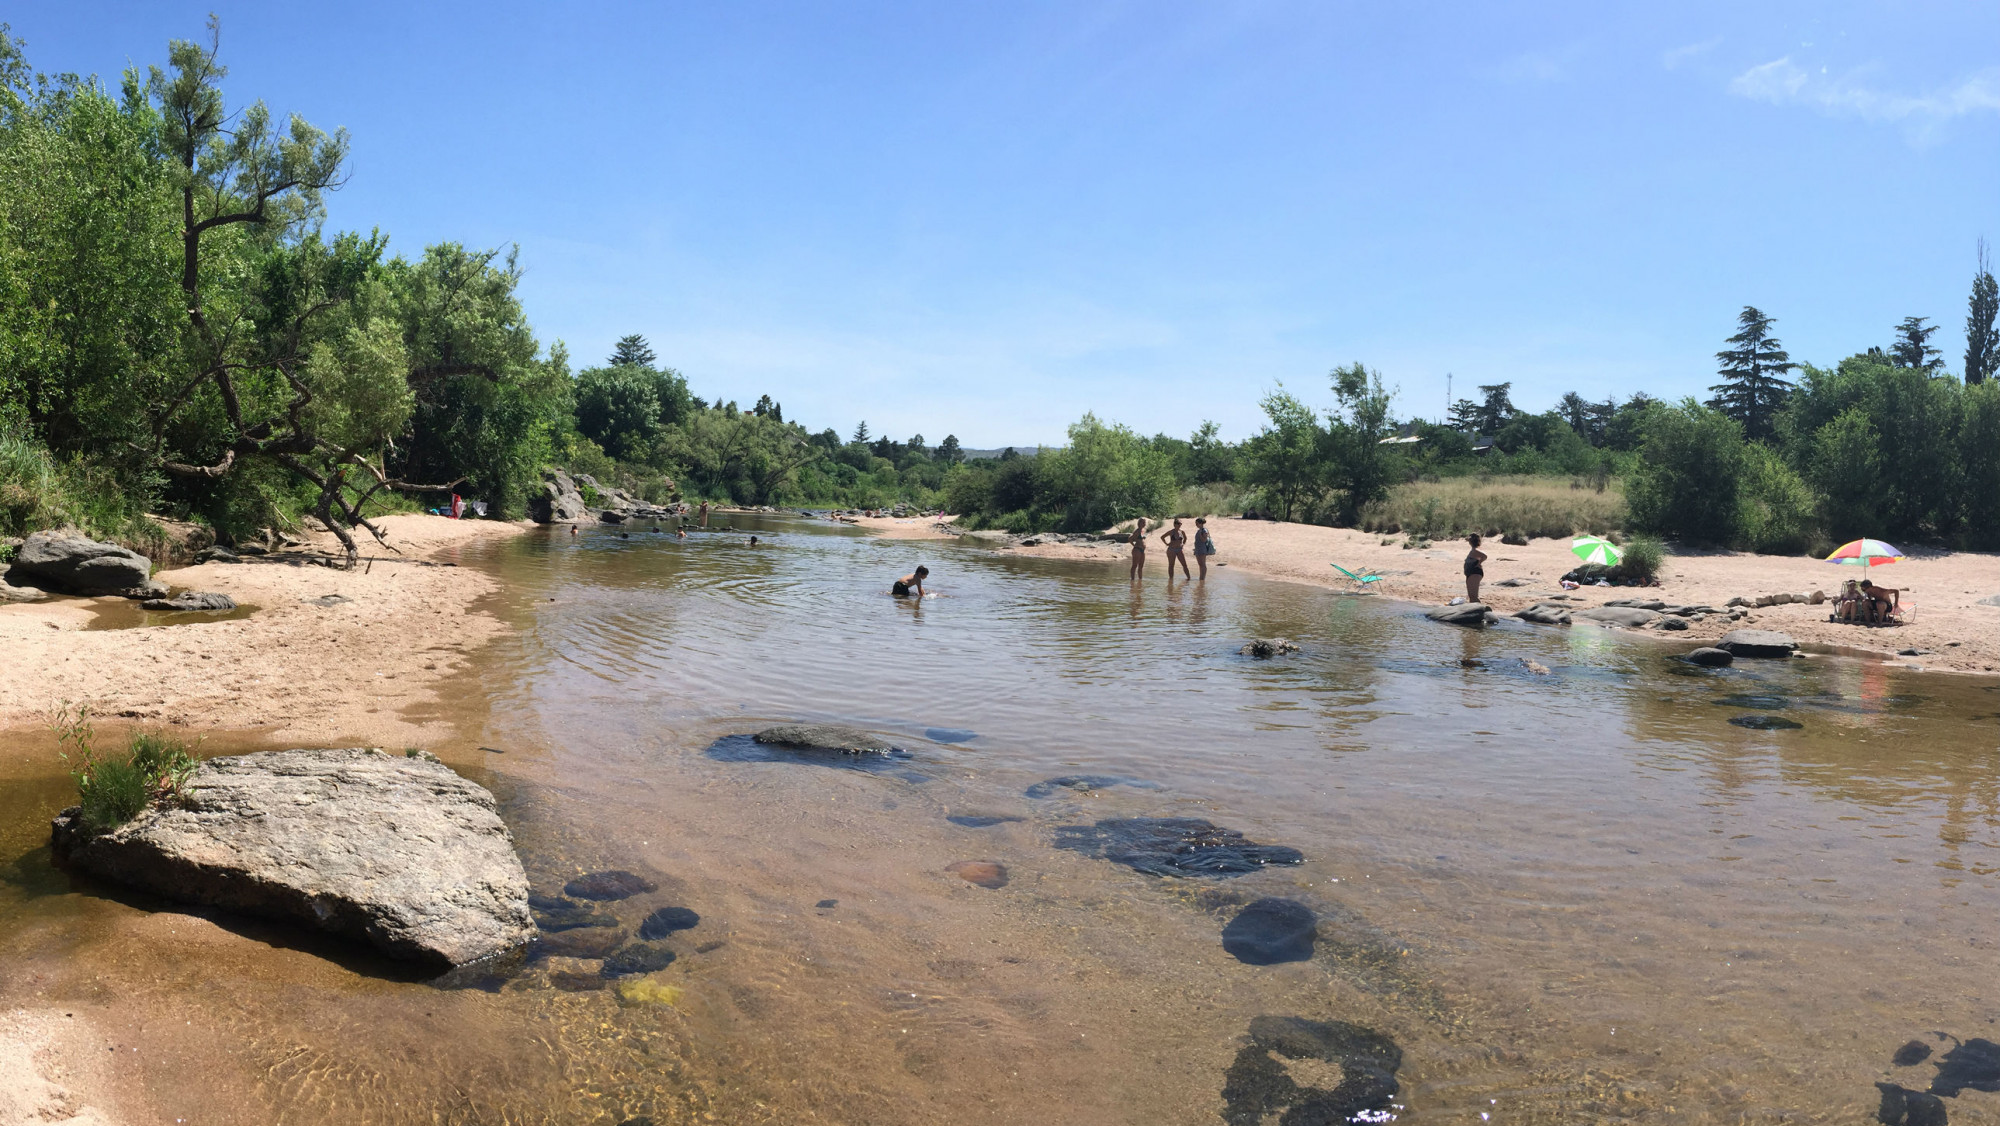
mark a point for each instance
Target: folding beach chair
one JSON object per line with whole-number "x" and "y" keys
{"x": 1364, "y": 580}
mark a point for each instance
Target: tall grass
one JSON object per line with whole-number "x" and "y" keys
{"x": 37, "y": 492}
{"x": 1491, "y": 506}
{"x": 1221, "y": 498}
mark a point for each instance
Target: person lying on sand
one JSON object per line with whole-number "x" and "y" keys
{"x": 912, "y": 582}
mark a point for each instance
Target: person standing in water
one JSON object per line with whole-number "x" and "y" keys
{"x": 1473, "y": 569}
{"x": 1204, "y": 544}
{"x": 1138, "y": 549}
{"x": 1176, "y": 541}
{"x": 704, "y": 514}
{"x": 912, "y": 583}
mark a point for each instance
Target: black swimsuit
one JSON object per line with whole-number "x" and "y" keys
{"x": 1472, "y": 567}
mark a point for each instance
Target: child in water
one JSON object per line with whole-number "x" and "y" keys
{"x": 912, "y": 582}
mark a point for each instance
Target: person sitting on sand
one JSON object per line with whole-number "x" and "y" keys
{"x": 1848, "y": 604}
{"x": 912, "y": 583}
{"x": 1204, "y": 544}
{"x": 1474, "y": 570}
{"x": 1138, "y": 549}
{"x": 1176, "y": 541}
{"x": 1881, "y": 600}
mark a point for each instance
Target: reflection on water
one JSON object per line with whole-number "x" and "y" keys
{"x": 1123, "y": 874}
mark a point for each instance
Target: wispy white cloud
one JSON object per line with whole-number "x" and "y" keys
{"x": 1540, "y": 66}
{"x": 1679, "y": 55}
{"x": 1784, "y": 82}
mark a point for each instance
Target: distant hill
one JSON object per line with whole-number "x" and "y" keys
{"x": 1024, "y": 451}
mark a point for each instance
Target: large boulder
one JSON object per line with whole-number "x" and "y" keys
{"x": 394, "y": 851}
{"x": 1618, "y": 615}
{"x": 827, "y": 737}
{"x": 75, "y": 565}
{"x": 558, "y": 501}
{"x": 1757, "y": 643}
{"x": 1463, "y": 614}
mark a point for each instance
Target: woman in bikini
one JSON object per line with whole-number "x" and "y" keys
{"x": 1204, "y": 544}
{"x": 1176, "y": 541}
{"x": 910, "y": 585}
{"x": 1473, "y": 569}
{"x": 1138, "y": 549}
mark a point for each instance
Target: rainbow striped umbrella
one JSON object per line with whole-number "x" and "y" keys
{"x": 1595, "y": 549}
{"x": 1865, "y": 553}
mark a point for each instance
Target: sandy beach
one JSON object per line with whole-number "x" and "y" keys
{"x": 319, "y": 674}
{"x": 1944, "y": 591}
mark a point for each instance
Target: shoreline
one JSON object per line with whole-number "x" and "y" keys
{"x": 1945, "y": 589}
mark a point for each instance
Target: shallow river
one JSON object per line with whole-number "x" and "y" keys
{"x": 1575, "y": 896}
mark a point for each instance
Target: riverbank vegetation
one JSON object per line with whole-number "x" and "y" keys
{"x": 180, "y": 334}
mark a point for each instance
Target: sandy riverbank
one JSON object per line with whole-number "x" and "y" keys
{"x": 1944, "y": 589}
{"x": 298, "y": 670}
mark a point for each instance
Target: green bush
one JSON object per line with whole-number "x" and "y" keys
{"x": 1689, "y": 476}
{"x": 112, "y": 791}
{"x": 1641, "y": 562}
{"x": 1779, "y": 509}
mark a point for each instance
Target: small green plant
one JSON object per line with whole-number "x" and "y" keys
{"x": 1643, "y": 557}
{"x": 111, "y": 791}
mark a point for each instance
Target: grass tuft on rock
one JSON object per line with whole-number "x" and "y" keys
{"x": 112, "y": 790}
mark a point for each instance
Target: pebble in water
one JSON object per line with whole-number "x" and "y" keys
{"x": 1085, "y": 783}
{"x": 638, "y": 958}
{"x": 1911, "y": 1054}
{"x": 1904, "y": 1107}
{"x": 553, "y": 913}
{"x": 824, "y": 904}
{"x": 950, "y": 735}
{"x": 1263, "y": 1084}
{"x": 609, "y": 885}
{"x": 1271, "y": 931}
{"x": 978, "y": 821}
{"x": 984, "y": 873}
{"x": 1766, "y": 723}
{"x": 666, "y": 921}
{"x": 1173, "y": 846}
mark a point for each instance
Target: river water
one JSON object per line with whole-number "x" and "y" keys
{"x": 1577, "y": 895}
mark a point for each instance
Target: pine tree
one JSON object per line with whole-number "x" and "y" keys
{"x": 860, "y": 433}
{"x": 1496, "y": 409}
{"x": 1912, "y": 348}
{"x": 1982, "y": 341}
{"x": 634, "y": 351}
{"x": 948, "y": 451}
{"x": 1753, "y": 371}
{"x": 1465, "y": 416}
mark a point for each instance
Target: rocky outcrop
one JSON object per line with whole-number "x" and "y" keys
{"x": 1464, "y": 614}
{"x": 394, "y": 851}
{"x": 1545, "y": 613}
{"x": 1618, "y": 615}
{"x": 1757, "y": 643}
{"x": 72, "y": 564}
{"x": 191, "y": 600}
{"x": 827, "y": 737}
{"x": 558, "y": 501}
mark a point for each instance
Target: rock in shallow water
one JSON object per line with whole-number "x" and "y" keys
{"x": 397, "y": 852}
{"x": 1757, "y": 643}
{"x": 1173, "y": 846}
{"x": 1267, "y": 647}
{"x": 1475, "y": 614}
{"x": 1710, "y": 657}
{"x": 1271, "y": 931}
{"x": 638, "y": 958}
{"x": 667, "y": 920}
{"x": 1282, "y": 1076}
{"x": 191, "y": 601}
{"x": 583, "y": 942}
{"x": 827, "y": 737}
{"x": 981, "y": 873}
{"x": 1085, "y": 783}
{"x": 1766, "y": 723}
{"x": 614, "y": 884}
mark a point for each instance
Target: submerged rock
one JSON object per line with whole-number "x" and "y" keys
{"x": 1974, "y": 1063}
{"x": 1283, "y": 1074}
{"x": 638, "y": 958}
{"x": 950, "y": 735}
{"x": 1265, "y": 647}
{"x": 1464, "y": 614}
{"x": 1760, "y": 701}
{"x": 1904, "y": 1107}
{"x": 584, "y": 942}
{"x": 1173, "y": 846}
{"x": 553, "y": 914}
{"x": 827, "y": 737}
{"x": 1757, "y": 643}
{"x": 1911, "y": 1054}
{"x": 1766, "y": 723}
{"x": 75, "y": 565}
{"x": 609, "y": 885}
{"x": 1710, "y": 657}
{"x": 397, "y": 852}
{"x": 192, "y": 600}
{"x": 983, "y": 873}
{"x": 1085, "y": 783}
{"x": 979, "y": 821}
{"x": 666, "y": 921}
{"x": 1271, "y": 931}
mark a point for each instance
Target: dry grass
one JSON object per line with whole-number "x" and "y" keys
{"x": 1523, "y": 506}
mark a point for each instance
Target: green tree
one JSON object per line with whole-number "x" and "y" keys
{"x": 1982, "y": 336}
{"x": 619, "y": 409}
{"x": 948, "y": 451}
{"x": 1753, "y": 386}
{"x": 860, "y": 433}
{"x": 1688, "y": 479}
{"x": 1359, "y": 467}
{"x": 1780, "y": 511}
{"x": 1464, "y": 416}
{"x": 1496, "y": 408}
{"x": 1208, "y": 459}
{"x": 632, "y": 351}
{"x": 1284, "y": 458}
{"x": 1846, "y": 467}
{"x": 1979, "y": 457}
{"x": 1913, "y": 346}
{"x": 1105, "y": 474}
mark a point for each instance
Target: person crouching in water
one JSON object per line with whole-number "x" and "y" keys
{"x": 910, "y": 584}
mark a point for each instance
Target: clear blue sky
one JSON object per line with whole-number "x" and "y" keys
{"x": 985, "y": 218}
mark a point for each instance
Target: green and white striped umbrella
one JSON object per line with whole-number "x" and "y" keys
{"x": 1596, "y": 549}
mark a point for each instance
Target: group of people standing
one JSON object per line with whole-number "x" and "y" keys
{"x": 1176, "y": 540}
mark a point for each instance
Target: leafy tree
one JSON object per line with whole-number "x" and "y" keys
{"x": 1496, "y": 409}
{"x": 768, "y": 407}
{"x": 1575, "y": 410}
{"x": 632, "y": 351}
{"x": 948, "y": 451}
{"x": 1283, "y": 458}
{"x": 1753, "y": 386}
{"x": 1464, "y": 416}
{"x": 1688, "y": 480}
{"x": 748, "y": 457}
{"x": 1207, "y": 458}
{"x": 1105, "y": 474}
{"x": 1913, "y": 348}
{"x": 1979, "y": 458}
{"x": 1982, "y": 338}
{"x": 619, "y": 409}
{"x": 1626, "y": 429}
{"x": 1779, "y": 512}
{"x": 1359, "y": 467}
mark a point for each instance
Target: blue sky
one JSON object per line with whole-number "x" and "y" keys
{"x": 987, "y": 218}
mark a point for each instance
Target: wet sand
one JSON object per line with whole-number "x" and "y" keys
{"x": 1945, "y": 590}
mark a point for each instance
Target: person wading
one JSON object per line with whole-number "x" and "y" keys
{"x": 1138, "y": 549}
{"x": 1474, "y": 571}
{"x": 1176, "y": 541}
{"x": 910, "y": 585}
{"x": 1204, "y": 544}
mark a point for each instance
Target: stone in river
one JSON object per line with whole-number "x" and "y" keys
{"x": 1974, "y": 1064}
{"x": 1710, "y": 657}
{"x": 1308, "y": 1073}
{"x": 1270, "y": 931}
{"x": 666, "y": 921}
{"x": 1618, "y": 615}
{"x": 1757, "y": 643}
{"x": 572, "y": 981}
{"x": 1766, "y": 723}
{"x": 585, "y": 942}
{"x": 1464, "y": 614}
{"x": 979, "y": 821}
{"x": 950, "y": 735}
{"x": 394, "y": 851}
{"x": 638, "y": 958}
{"x": 1904, "y": 1107}
{"x": 1763, "y": 702}
{"x": 827, "y": 904}
{"x": 572, "y": 917}
{"x": 1173, "y": 846}
{"x": 1085, "y": 783}
{"x": 827, "y": 737}
{"x": 75, "y": 565}
{"x": 1267, "y": 647}
{"x": 192, "y": 600}
{"x": 609, "y": 885}
{"x": 1542, "y": 613}
{"x": 983, "y": 873}
{"x": 1911, "y": 1054}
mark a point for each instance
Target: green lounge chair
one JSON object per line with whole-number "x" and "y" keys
{"x": 1364, "y": 580}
